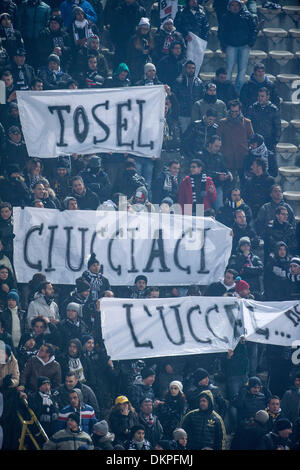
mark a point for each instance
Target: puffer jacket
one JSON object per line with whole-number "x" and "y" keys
{"x": 250, "y": 89}
{"x": 68, "y": 440}
{"x": 266, "y": 121}
{"x": 193, "y": 396}
{"x": 39, "y": 307}
{"x": 204, "y": 428}
{"x": 10, "y": 368}
{"x": 186, "y": 95}
{"x": 187, "y": 22}
{"x": 237, "y": 29}
{"x": 33, "y": 18}
{"x": 248, "y": 404}
{"x": 138, "y": 392}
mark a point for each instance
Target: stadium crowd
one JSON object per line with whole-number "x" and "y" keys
{"x": 219, "y": 149}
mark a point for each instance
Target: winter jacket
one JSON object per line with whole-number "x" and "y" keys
{"x": 257, "y": 191}
{"x": 79, "y": 364}
{"x": 245, "y": 231}
{"x": 162, "y": 43}
{"x": 290, "y": 404}
{"x": 68, "y": 440}
{"x": 153, "y": 429}
{"x": 187, "y": 22}
{"x": 138, "y": 391}
{"x": 67, "y": 330}
{"x": 10, "y": 368}
{"x": 169, "y": 68}
{"x": 272, "y": 441}
{"x": 187, "y": 95}
{"x": 238, "y": 364}
{"x": 217, "y": 289}
{"x": 250, "y": 269}
{"x": 39, "y": 307}
{"x": 213, "y": 165}
{"x": 237, "y": 29}
{"x": 269, "y": 158}
{"x": 6, "y": 318}
{"x": 87, "y": 417}
{"x": 266, "y": 121}
{"x": 99, "y": 284}
{"x": 61, "y": 395}
{"x": 16, "y": 154}
{"x": 225, "y": 91}
{"x": 267, "y": 213}
{"x": 200, "y": 108}
{"x": 103, "y": 443}
{"x": 66, "y": 8}
{"x": 46, "y": 413}
{"x": 35, "y": 368}
{"x": 248, "y": 404}
{"x": 277, "y": 232}
{"x": 136, "y": 59}
{"x": 51, "y": 80}
{"x": 276, "y": 282}
{"x": 235, "y": 134}
{"x": 121, "y": 425}
{"x": 87, "y": 201}
{"x": 171, "y": 413}
{"x": 165, "y": 185}
{"x": 196, "y": 137}
{"x": 28, "y": 74}
{"x": 193, "y": 396}
{"x": 11, "y": 40}
{"x": 82, "y": 58}
{"x": 128, "y": 183}
{"x": 204, "y": 428}
{"x": 15, "y": 191}
{"x": 33, "y": 18}
{"x": 99, "y": 184}
{"x": 250, "y": 89}
{"x": 123, "y": 20}
{"x": 185, "y": 194}
{"x": 248, "y": 436}
{"x": 48, "y": 40}
{"x": 225, "y": 215}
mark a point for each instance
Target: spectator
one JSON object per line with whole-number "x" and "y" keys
{"x": 151, "y": 423}
{"x": 265, "y": 118}
{"x": 43, "y": 364}
{"x": 67, "y": 6}
{"x": 13, "y": 318}
{"x": 237, "y": 34}
{"x": 140, "y": 49}
{"x": 16, "y": 151}
{"x": 93, "y": 48}
{"x": 129, "y": 181}
{"x": 242, "y": 291}
{"x": 72, "y": 359}
{"x": 294, "y": 278}
{"x": 274, "y": 411}
{"x": 172, "y": 409}
{"x": 11, "y": 38}
{"x": 7, "y": 283}
{"x": 279, "y": 438}
{"x": 122, "y": 418}
{"x": 43, "y": 404}
{"x": 234, "y": 202}
{"x": 10, "y": 88}
{"x": 54, "y": 40}
{"x": 258, "y": 149}
{"x": 241, "y": 229}
{"x": 167, "y": 183}
{"x": 225, "y": 88}
{"x": 235, "y": 131}
{"x": 189, "y": 89}
{"x": 81, "y": 29}
{"x": 150, "y": 77}
{"x": 42, "y": 330}
{"x": 219, "y": 289}
{"x": 76, "y": 405}
{"x": 258, "y": 80}
{"x": 192, "y": 19}
{"x": 33, "y": 172}
{"x": 138, "y": 291}
{"x": 27, "y": 348}
{"x": 198, "y": 133}
{"x": 101, "y": 437}
{"x": 40, "y": 192}
{"x": 13, "y": 188}
{"x": 276, "y": 283}
{"x": 4, "y": 260}
{"x": 250, "y": 399}
{"x": 6, "y": 338}
{"x": 120, "y": 79}
{"x": 71, "y": 438}
{"x": 9, "y": 370}
{"x": 204, "y": 427}
{"x": 169, "y": 67}
{"x": 96, "y": 179}
{"x": 70, "y": 203}
{"x": 52, "y": 76}
{"x": 72, "y": 326}
{"x": 43, "y": 304}
{"x": 8, "y": 7}
{"x": 258, "y": 187}
{"x": 249, "y": 434}
{"x": 142, "y": 388}
{"x": 138, "y": 441}
{"x": 290, "y": 402}
{"x": 280, "y": 230}
{"x": 197, "y": 188}
{"x": 86, "y": 199}
{"x": 163, "y": 39}
{"x": 98, "y": 283}
{"x": 209, "y": 101}
{"x": 61, "y": 181}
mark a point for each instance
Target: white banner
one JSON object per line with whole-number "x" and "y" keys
{"x": 195, "y": 51}
{"x": 168, "y": 249}
{"x": 167, "y": 9}
{"x": 117, "y": 120}
{"x": 135, "y": 329}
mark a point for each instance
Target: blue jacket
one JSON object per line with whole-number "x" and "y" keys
{"x": 87, "y": 418}
{"x": 66, "y": 11}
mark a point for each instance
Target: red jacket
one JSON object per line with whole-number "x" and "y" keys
{"x": 185, "y": 194}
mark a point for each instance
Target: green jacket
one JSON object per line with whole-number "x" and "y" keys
{"x": 32, "y": 19}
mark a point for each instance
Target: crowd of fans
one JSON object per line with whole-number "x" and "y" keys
{"x": 219, "y": 149}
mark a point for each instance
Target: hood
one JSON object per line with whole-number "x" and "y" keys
{"x": 78, "y": 344}
{"x": 121, "y": 68}
{"x": 80, "y": 396}
{"x": 238, "y": 1}
{"x": 139, "y": 381}
{"x": 278, "y": 245}
{"x": 52, "y": 358}
{"x": 143, "y": 190}
{"x": 209, "y": 396}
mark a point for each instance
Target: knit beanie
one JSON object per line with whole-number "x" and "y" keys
{"x": 200, "y": 374}
{"x": 179, "y": 433}
{"x": 122, "y": 67}
{"x": 92, "y": 38}
{"x": 177, "y": 384}
{"x": 92, "y": 260}
{"x": 281, "y": 424}
{"x": 13, "y": 295}
{"x": 136, "y": 428}
{"x": 102, "y": 427}
{"x": 82, "y": 285}
{"x": 261, "y": 417}
{"x": 244, "y": 240}
{"x": 295, "y": 260}
{"x": 75, "y": 417}
{"x": 43, "y": 380}
{"x": 141, "y": 278}
{"x": 254, "y": 381}
{"x": 54, "y": 58}
{"x": 144, "y": 22}
{"x": 74, "y": 306}
{"x": 148, "y": 67}
{"x": 85, "y": 339}
{"x": 147, "y": 372}
{"x": 241, "y": 285}
{"x": 57, "y": 18}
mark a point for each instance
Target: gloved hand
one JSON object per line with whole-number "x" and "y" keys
{"x": 7, "y": 382}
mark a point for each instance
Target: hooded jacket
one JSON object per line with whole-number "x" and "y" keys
{"x": 187, "y": 22}
{"x": 204, "y": 428}
{"x": 250, "y": 89}
{"x": 61, "y": 395}
{"x": 188, "y": 93}
{"x": 34, "y": 16}
{"x": 169, "y": 67}
{"x": 248, "y": 404}
{"x": 68, "y": 440}
{"x": 266, "y": 121}
{"x": 194, "y": 393}
{"x": 267, "y": 213}
{"x": 39, "y": 307}
{"x": 77, "y": 363}
{"x": 138, "y": 392}
{"x": 66, "y": 9}
{"x": 86, "y": 412}
{"x": 237, "y": 29}
{"x": 276, "y": 282}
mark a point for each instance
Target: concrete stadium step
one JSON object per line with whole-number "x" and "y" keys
{"x": 291, "y": 17}
{"x": 271, "y": 17}
{"x": 293, "y": 198}
{"x": 209, "y": 76}
{"x": 209, "y": 61}
{"x": 294, "y": 35}
{"x": 290, "y": 178}
{"x": 287, "y": 154}
{"x": 281, "y": 62}
{"x": 294, "y": 129}
{"x": 285, "y": 134}
{"x": 213, "y": 40}
{"x": 256, "y": 56}
{"x": 276, "y": 39}
{"x": 286, "y": 85}
{"x": 211, "y": 15}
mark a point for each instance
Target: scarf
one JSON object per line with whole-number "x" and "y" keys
{"x": 235, "y": 205}
{"x": 169, "y": 179}
{"x": 81, "y": 29}
{"x": 46, "y": 399}
{"x": 139, "y": 444}
{"x": 198, "y": 183}
{"x": 16, "y": 327}
{"x": 261, "y": 152}
{"x": 72, "y": 323}
{"x": 75, "y": 365}
{"x": 9, "y": 31}
{"x": 210, "y": 98}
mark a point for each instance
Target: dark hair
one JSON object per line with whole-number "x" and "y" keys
{"x": 258, "y": 65}
{"x": 279, "y": 209}
{"x": 238, "y": 210}
{"x": 264, "y": 89}
{"x": 260, "y": 162}
{"x": 92, "y": 56}
{"x": 36, "y": 80}
{"x": 172, "y": 162}
{"x": 235, "y": 189}
{"x": 71, "y": 373}
{"x": 152, "y": 289}
{"x": 210, "y": 212}
{"x": 221, "y": 70}
{"x": 212, "y": 139}
{"x": 5, "y": 204}
{"x": 233, "y": 103}
{"x": 36, "y": 183}
{"x": 75, "y": 178}
{"x": 273, "y": 397}
{"x": 189, "y": 62}
{"x": 232, "y": 271}
{"x": 43, "y": 285}
{"x": 6, "y": 73}
{"x": 38, "y": 319}
{"x": 211, "y": 112}
{"x": 50, "y": 348}
{"x": 198, "y": 162}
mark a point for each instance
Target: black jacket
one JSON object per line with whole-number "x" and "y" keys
{"x": 168, "y": 69}
{"x": 204, "y": 428}
{"x": 123, "y": 20}
{"x": 196, "y": 136}
{"x": 128, "y": 183}
{"x": 48, "y": 40}
{"x": 277, "y": 232}
{"x": 15, "y": 191}
{"x": 237, "y": 29}
{"x": 266, "y": 121}
{"x": 165, "y": 186}
{"x": 250, "y": 89}
{"x": 213, "y": 165}
{"x": 29, "y": 76}
{"x": 171, "y": 413}
{"x": 185, "y": 21}
{"x": 154, "y": 431}
{"x": 121, "y": 425}
{"x": 239, "y": 232}
{"x": 273, "y": 441}
{"x": 188, "y": 95}
{"x": 46, "y": 414}
{"x": 217, "y": 289}
{"x": 225, "y": 215}
{"x": 61, "y": 395}
{"x": 68, "y": 330}
{"x": 11, "y": 41}
{"x": 99, "y": 183}
{"x": 257, "y": 191}
{"x": 249, "y": 268}
{"x": 225, "y": 91}
{"x": 276, "y": 282}
{"x": 193, "y": 396}
{"x": 248, "y": 404}
{"x": 88, "y": 201}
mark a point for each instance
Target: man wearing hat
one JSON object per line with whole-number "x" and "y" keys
{"x": 138, "y": 291}
{"x": 164, "y": 38}
{"x": 241, "y": 228}
{"x": 11, "y": 39}
{"x": 257, "y": 148}
{"x": 251, "y": 398}
{"x": 209, "y": 101}
{"x": 101, "y": 436}
{"x": 66, "y": 8}
{"x": 279, "y": 438}
{"x": 248, "y": 436}
{"x": 52, "y": 75}
{"x": 93, "y": 48}
{"x": 71, "y": 438}
{"x": 16, "y": 151}
{"x": 142, "y": 388}
{"x": 96, "y": 179}
{"x": 138, "y": 441}
{"x": 153, "y": 427}
{"x": 61, "y": 182}
{"x": 54, "y": 40}
{"x": 98, "y": 283}
{"x": 23, "y": 74}
{"x": 79, "y": 295}
{"x": 13, "y": 318}
{"x": 44, "y": 405}
{"x": 150, "y": 77}
{"x": 72, "y": 326}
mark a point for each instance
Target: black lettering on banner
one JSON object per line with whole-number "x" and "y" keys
{"x": 178, "y": 321}
{"x": 151, "y": 143}
{"x": 133, "y": 267}
{"x": 157, "y": 253}
{"x": 176, "y": 259}
{"x": 59, "y": 110}
{"x": 38, "y": 265}
{"x": 202, "y": 255}
{"x": 137, "y": 344}
{"x": 52, "y": 229}
{"x": 123, "y": 124}
{"x": 208, "y": 311}
{"x": 293, "y": 315}
{"x": 80, "y": 113}
{"x": 147, "y": 311}
{"x": 189, "y": 321}
{"x": 259, "y": 331}
{"x": 68, "y": 253}
{"x": 236, "y": 323}
{"x": 102, "y": 231}
{"x": 118, "y": 268}
{"x": 101, "y": 123}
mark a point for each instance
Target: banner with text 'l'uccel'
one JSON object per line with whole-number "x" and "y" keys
{"x": 142, "y": 328}
{"x": 60, "y": 122}
{"x": 168, "y": 249}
